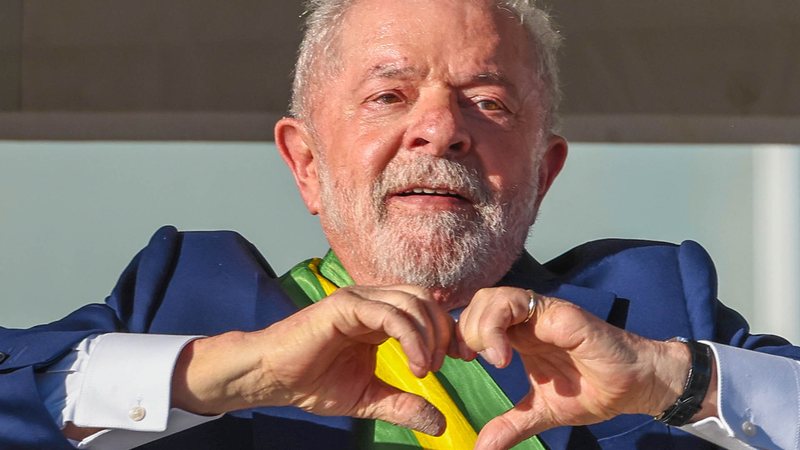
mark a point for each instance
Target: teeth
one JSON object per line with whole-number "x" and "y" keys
{"x": 432, "y": 191}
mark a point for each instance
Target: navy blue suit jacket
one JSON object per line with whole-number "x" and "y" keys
{"x": 211, "y": 282}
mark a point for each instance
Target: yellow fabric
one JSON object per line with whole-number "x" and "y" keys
{"x": 327, "y": 286}
{"x": 392, "y": 367}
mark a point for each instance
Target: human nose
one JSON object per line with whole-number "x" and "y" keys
{"x": 437, "y": 127}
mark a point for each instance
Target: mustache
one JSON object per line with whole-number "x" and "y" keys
{"x": 431, "y": 171}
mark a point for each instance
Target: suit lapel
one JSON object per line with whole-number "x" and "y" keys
{"x": 527, "y": 273}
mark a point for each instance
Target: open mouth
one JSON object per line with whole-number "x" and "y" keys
{"x": 430, "y": 191}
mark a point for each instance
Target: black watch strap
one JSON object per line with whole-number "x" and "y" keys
{"x": 695, "y": 389}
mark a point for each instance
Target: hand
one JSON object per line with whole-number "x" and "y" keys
{"x": 322, "y": 359}
{"x": 581, "y": 369}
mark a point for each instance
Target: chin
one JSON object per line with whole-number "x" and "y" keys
{"x": 452, "y": 265}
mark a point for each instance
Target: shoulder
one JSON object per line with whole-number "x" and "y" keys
{"x": 658, "y": 279}
{"x": 168, "y": 246}
{"x": 215, "y": 274}
{"x": 626, "y": 258}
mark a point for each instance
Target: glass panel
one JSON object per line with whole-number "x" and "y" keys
{"x": 73, "y": 214}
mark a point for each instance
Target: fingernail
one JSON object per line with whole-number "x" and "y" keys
{"x": 492, "y": 356}
{"x": 430, "y": 421}
{"x": 418, "y": 370}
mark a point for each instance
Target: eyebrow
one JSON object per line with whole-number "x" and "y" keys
{"x": 391, "y": 71}
{"x": 492, "y": 78}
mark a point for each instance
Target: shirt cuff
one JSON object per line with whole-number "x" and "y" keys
{"x": 126, "y": 382}
{"x": 179, "y": 420}
{"x": 758, "y": 401}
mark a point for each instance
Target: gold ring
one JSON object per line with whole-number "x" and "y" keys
{"x": 531, "y": 306}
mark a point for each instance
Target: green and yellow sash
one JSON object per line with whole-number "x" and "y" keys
{"x": 463, "y": 391}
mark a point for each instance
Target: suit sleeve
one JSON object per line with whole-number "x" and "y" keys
{"x": 758, "y": 374}
{"x": 195, "y": 283}
{"x": 24, "y": 352}
{"x": 710, "y": 319}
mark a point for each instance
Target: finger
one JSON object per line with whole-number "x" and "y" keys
{"x": 511, "y": 428}
{"x": 433, "y": 322}
{"x": 453, "y": 349}
{"x": 360, "y": 317}
{"x": 464, "y": 352}
{"x": 468, "y": 322}
{"x": 415, "y": 307}
{"x": 385, "y": 402}
{"x": 495, "y": 342}
{"x": 440, "y": 329}
{"x": 444, "y": 334}
{"x": 486, "y": 327}
{"x": 555, "y": 322}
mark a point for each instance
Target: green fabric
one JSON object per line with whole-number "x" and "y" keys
{"x": 477, "y": 395}
{"x": 467, "y": 383}
{"x": 302, "y": 286}
{"x": 332, "y": 269}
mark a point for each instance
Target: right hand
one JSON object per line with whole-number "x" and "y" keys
{"x": 322, "y": 359}
{"x": 581, "y": 369}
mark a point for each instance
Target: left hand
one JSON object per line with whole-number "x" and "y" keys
{"x": 582, "y": 370}
{"x": 322, "y": 359}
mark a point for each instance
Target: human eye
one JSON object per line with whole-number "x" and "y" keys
{"x": 386, "y": 98}
{"x": 488, "y": 104}
{"x": 384, "y": 101}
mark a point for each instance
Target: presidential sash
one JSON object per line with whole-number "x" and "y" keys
{"x": 462, "y": 390}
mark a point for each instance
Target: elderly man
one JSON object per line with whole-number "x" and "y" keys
{"x": 422, "y": 135}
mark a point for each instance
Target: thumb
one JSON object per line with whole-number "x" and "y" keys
{"x": 385, "y": 402}
{"x": 512, "y": 427}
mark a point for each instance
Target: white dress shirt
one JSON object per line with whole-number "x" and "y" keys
{"x": 121, "y": 382}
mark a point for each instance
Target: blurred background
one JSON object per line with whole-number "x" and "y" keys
{"x": 117, "y": 117}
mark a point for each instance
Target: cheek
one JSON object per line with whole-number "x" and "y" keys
{"x": 365, "y": 157}
{"x": 507, "y": 165}
{"x": 508, "y": 186}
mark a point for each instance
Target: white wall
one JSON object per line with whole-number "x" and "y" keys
{"x": 659, "y": 192}
{"x": 73, "y": 214}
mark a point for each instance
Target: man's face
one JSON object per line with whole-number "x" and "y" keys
{"x": 426, "y": 140}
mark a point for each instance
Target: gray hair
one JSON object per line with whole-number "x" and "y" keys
{"x": 322, "y": 24}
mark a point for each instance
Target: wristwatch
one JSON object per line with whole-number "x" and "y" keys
{"x": 695, "y": 389}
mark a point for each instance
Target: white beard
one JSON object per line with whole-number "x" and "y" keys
{"x": 448, "y": 249}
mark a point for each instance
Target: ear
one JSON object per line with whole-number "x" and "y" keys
{"x": 297, "y": 150}
{"x": 552, "y": 163}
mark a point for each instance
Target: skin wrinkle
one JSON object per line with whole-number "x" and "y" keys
{"x": 378, "y": 147}
{"x": 322, "y": 39}
{"x": 446, "y": 250}
{"x": 449, "y": 247}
